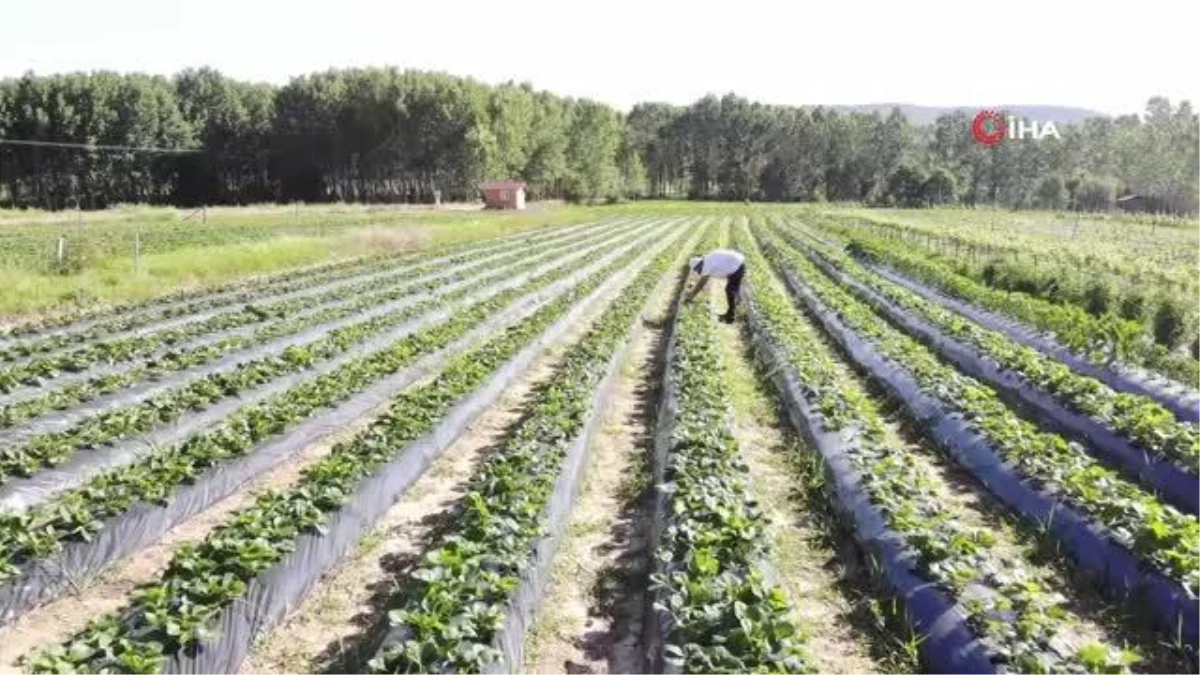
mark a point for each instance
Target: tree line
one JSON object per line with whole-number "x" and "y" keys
{"x": 731, "y": 148}
{"x": 371, "y": 135}
{"x": 390, "y": 135}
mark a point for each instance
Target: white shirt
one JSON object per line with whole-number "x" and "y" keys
{"x": 721, "y": 263}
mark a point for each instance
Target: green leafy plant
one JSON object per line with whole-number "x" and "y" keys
{"x": 959, "y": 557}
{"x": 723, "y": 615}
{"x": 1163, "y": 536}
{"x": 54, "y": 447}
{"x": 78, "y": 511}
{"x": 1170, "y": 322}
{"x": 1098, "y": 297}
{"x": 453, "y": 605}
{"x": 176, "y": 611}
{"x": 1132, "y": 306}
{"x": 1139, "y": 419}
{"x": 284, "y": 316}
{"x": 1072, "y": 326}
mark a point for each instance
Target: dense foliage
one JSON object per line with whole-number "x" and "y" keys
{"x": 376, "y": 134}
{"x": 387, "y": 135}
{"x": 177, "y": 611}
{"x": 1011, "y": 606}
{"x": 730, "y": 148}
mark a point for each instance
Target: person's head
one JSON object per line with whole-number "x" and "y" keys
{"x": 694, "y": 263}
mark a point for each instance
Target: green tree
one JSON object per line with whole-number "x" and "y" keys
{"x": 906, "y": 187}
{"x": 595, "y": 140}
{"x": 385, "y": 134}
{"x": 648, "y": 134}
{"x": 1052, "y": 193}
{"x": 546, "y": 167}
{"x": 633, "y": 173}
{"x": 1096, "y": 194}
{"x": 940, "y": 188}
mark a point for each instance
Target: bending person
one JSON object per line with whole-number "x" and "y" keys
{"x": 722, "y": 264}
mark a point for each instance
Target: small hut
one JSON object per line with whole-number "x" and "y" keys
{"x": 1133, "y": 203}
{"x": 503, "y": 194}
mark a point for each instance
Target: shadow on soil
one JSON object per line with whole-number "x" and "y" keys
{"x": 350, "y": 654}
{"x": 871, "y": 613}
{"x": 619, "y": 593}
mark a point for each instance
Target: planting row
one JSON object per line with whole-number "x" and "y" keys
{"x": 1141, "y": 546}
{"x": 131, "y": 322}
{"x": 1183, "y": 401}
{"x": 974, "y": 607}
{"x": 1102, "y": 267}
{"x": 714, "y": 608}
{"x": 465, "y": 607}
{"x": 32, "y": 372}
{"x": 1099, "y": 338}
{"x": 192, "y": 302}
{"x": 168, "y": 305}
{"x": 1133, "y": 432}
{"x": 362, "y": 305}
{"x": 170, "y": 622}
{"x": 51, "y": 448}
{"x": 59, "y": 538}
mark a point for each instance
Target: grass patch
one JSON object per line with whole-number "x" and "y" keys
{"x": 236, "y": 244}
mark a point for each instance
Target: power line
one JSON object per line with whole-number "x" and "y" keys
{"x": 86, "y": 146}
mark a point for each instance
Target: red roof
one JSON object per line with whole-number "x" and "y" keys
{"x": 502, "y": 185}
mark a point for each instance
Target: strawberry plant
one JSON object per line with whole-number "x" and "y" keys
{"x": 184, "y": 303}
{"x": 1101, "y": 339}
{"x": 1165, "y": 537}
{"x": 1006, "y": 603}
{"x": 103, "y": 429}
{"x": 75, "y": 512}
{"x": 454, "y": 605}
{"x": 134, "y": 319}
{"x": 130, "y": 315}
{"x": 33, "y": 371}
{"x": 1139, "y": 419}
{"x": 721, "y": 614}
{"x": 174, "y": 612}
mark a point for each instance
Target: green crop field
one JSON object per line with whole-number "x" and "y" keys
{"x": 375, "y": 439}
{"x": 140, "y": 252}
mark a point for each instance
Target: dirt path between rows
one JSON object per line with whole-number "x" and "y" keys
{"x": 819, "y": 575}
{"x": 109, "y": 590}
{"x": 340, "y": 623}
{"x": 1089, "y": 617}
{"x": 591, "y": 613}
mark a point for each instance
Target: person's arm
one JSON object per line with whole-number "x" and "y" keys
{"x": 698, "y": 287}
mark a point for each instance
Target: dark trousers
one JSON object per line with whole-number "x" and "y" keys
{"x": 733, "y": 286}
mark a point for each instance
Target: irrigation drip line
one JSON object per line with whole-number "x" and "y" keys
{"x": 89, "y": 146}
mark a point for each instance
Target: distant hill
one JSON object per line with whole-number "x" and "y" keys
{"x": 926, "y": 114}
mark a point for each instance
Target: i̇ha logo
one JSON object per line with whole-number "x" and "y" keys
{"x": 990, "y": 127}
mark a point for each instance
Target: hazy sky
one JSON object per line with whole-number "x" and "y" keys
{"x": 1108, "y": 56}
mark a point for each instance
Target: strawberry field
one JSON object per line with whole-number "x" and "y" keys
{"x": 529, "y": 453}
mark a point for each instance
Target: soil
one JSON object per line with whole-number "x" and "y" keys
{"x": 109, "y": 590}
{"x": 1092, "y": 618}
{"x": 816, "y": 573}
{"x": 340, "y": 623}
{"x": 591, "y": 613}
